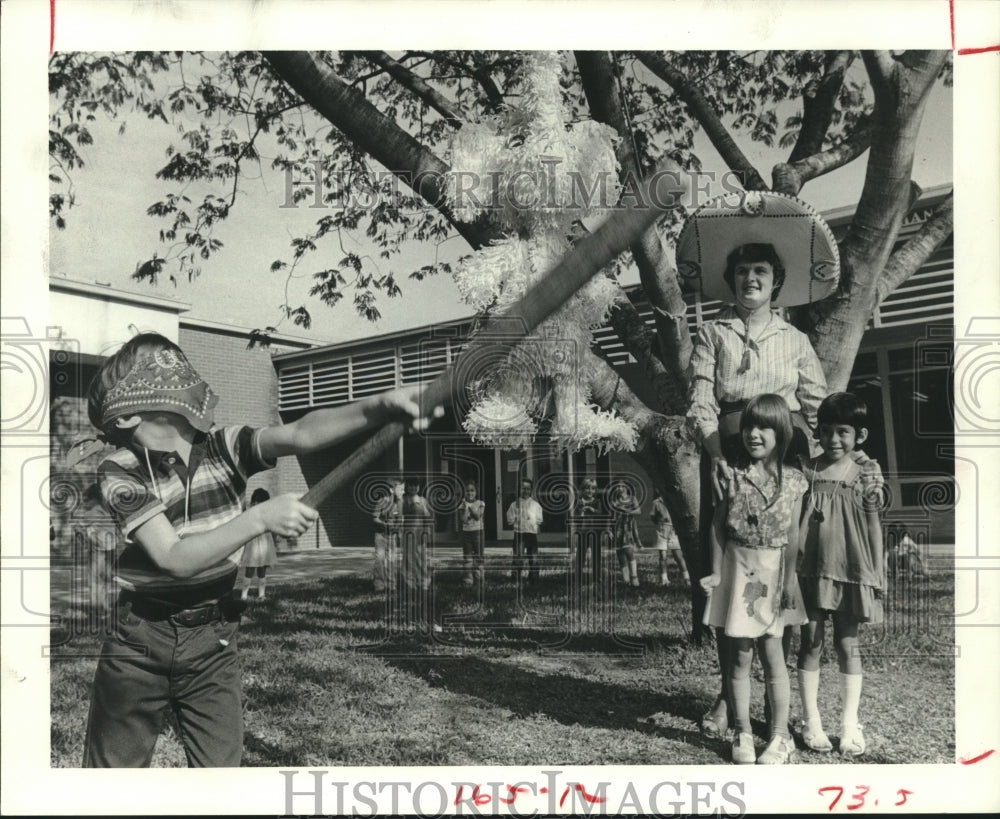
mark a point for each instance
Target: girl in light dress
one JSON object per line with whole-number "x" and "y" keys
{"x": 753, "y": 590}
{"x": 259, "y": 554}
{"x": 666, "y": 540}
{"x": 470, "y": 519}
{"x": 626, "y": 511}
{"x": 841, "y": 572}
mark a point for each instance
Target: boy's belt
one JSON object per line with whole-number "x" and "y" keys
{"x": 147, "y": 609}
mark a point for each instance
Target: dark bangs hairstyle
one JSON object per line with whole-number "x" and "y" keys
{"x": 770, "y": 411}
{"x": 755, "y": 252}
{"x": 843, "y": 408}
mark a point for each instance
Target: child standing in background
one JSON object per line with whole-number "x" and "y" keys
{"x": 470, "y": 519}
{"x": 526, "y": 516}
{"x": 416, "y": 545}
{"x": 753, "y": 588}
{"x": 259, "y": 554}
{"x": 841, "y": 571}
{"x": 588, "y": 509}
{"x": 388, "y": 516}
{"x": 666, "y": 540}
{"x": 626, "y": 510}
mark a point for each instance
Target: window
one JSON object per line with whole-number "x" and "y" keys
{"x": 909, "y": 406}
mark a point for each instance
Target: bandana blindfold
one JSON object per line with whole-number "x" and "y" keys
{"x": 162, "y": 381}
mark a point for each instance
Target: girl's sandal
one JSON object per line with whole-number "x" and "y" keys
{"x": 779, "y": 751}
{"x": 715, "y": 722}
{"x": 852, "y": 741}
{"x": 815, "y": 737}
{"x": 743, "y": 752}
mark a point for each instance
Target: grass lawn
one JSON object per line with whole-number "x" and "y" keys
{"x": 507, "y": 682}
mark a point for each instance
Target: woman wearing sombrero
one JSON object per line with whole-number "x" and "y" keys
{"x": 757, "y": 252}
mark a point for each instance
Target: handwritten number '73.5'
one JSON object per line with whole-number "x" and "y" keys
{"x": 858, "y": 797}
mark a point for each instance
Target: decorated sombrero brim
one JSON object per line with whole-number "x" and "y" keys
{"x": 800, "y": 236}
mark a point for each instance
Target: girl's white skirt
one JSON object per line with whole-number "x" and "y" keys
{"x": 747, "y": 603}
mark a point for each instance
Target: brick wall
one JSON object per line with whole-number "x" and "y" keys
{"x": 247, "y": 385}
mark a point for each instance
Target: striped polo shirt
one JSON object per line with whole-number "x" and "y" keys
{"x": 138, "y": 483}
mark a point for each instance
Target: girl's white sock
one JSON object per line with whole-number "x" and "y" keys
{"x": 850, "y": 697}
{"x": 809, "y": 692}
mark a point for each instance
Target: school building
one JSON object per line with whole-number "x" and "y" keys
{"x": 903, "y": 371}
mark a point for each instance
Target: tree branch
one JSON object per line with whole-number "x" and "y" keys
{"x": 880, "y": 67}
{"x": 906, "y": 261}
{"x": 659, "y": 279}
{"x": 901, "y": 92}
{"x": 790, "y": 177}
{"x": 485, "y": 80}
{"x": 374, "y": 133}
{"x": 818, "y": 101}
{"x": 702, "y": 111}
{"x": 481, "y": 74}
{"x": 416, "y": 85}
{"x": 640, "y": 341}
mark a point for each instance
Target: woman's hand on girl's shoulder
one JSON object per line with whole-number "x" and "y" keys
{"x": 722, "y": 478}
{"x": 870, "y": 470}
{"x": 872, "y": 484}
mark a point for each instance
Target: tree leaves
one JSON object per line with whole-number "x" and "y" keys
{"x": 225, "y": 104}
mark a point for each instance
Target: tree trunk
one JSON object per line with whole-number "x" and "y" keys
{"x": 670, "y": 457}
{"x": 836, "y": 325}
{"x": 659, "y": 280}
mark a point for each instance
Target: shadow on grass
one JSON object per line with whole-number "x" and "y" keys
{"x": 567, "y": 699}
{"x": 454, "y": 659}
{"x": 537, "y": 618}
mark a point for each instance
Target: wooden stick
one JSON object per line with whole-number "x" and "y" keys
{"x": 576, "y": 268}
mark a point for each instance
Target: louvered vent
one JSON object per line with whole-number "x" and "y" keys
{"x": 925, "y": 297}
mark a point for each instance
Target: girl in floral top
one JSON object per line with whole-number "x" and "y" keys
{"x": 753, "y": 588}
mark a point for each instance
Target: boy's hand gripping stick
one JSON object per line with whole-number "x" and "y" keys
{"x": 576, "y": 268}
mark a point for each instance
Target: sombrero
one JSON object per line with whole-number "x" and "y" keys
{"x": 801, "y": 237}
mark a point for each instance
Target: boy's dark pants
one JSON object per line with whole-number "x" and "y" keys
{"x": 152, "y": 664}
{"x": 525, "y": 544}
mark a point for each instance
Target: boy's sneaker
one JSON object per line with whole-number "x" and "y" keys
{"x": 852, "y": 741}
{"x": 778, "y": 751}
{"x": 743, "y": 750}
{"x": 815, "y": 737}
